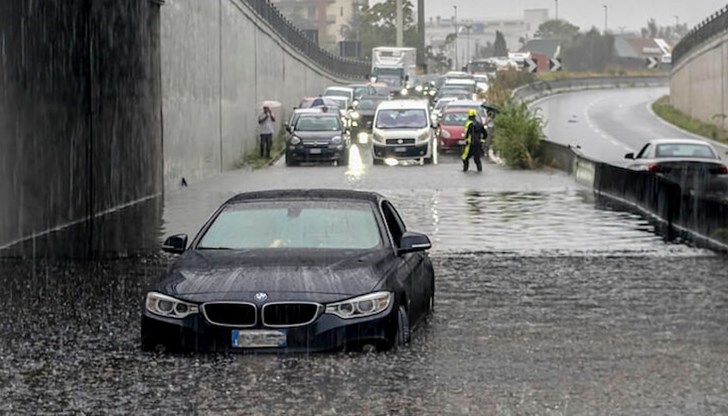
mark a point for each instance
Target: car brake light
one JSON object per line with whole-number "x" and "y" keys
{"x": 721, "y": 170}
{"x": 654, "y": 167}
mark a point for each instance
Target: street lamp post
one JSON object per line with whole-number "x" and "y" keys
{"x": 605, "y": 17}
{"x": 455, "y": 23}
{"x": 557, "y": 9}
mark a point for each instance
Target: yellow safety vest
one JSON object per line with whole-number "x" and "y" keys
{"x": 468, "y": 140}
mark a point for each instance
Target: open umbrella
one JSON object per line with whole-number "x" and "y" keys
{"x": 270, "y": 104}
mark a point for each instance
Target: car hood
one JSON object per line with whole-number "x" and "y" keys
{"x": 455, "y": 131}
{"x": 317, "y": 135}
{"x": 315, "y": 275}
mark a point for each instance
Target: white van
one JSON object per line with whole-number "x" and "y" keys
{"x": 401, "y": 129}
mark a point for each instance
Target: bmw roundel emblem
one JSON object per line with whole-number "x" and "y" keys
{"x": 261, "y": 296}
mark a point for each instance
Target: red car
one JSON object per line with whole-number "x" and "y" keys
{"x": 451, "y": 130}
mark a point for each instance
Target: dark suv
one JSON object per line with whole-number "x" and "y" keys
{"x": 318, "y": 137}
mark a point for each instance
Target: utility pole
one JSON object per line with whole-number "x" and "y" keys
{"x": 400, "y": 24}
{"x": 557, "y": 9}
{"x": 677, "y": 20}
{"x": 455, "y": 23}
{"x": 421, "y": 56}
{"x": 605, "y": 17}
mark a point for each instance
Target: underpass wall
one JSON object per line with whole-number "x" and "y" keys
{"x": 699, "y": 82}
{"x": 80, "y": 122}
{"x": 219, "y": 61}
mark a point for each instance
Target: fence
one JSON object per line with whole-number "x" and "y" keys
{"x": 348, "y": 68}
{"x": 704, "y": 31}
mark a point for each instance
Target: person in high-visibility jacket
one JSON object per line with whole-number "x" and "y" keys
{"x": 475, "y": 136}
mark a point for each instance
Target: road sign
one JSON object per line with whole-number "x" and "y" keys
{"x": 652, "y": 62}
{"x": 531, "y": 65}
{"x": 555, "y": 64}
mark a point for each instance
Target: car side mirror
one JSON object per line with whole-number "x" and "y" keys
{"x": 175, "y": 244}
{"x": 287, "y": 127}
{"x": 412, "y": 242}
{"x": 629, "y": 156}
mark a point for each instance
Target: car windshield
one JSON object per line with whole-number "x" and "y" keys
{"x": 685, "y": 150}
{"x": 392, "y": 81}
{"x": 455, "y": 119}
{"x": 402, "y": 119}
{"x": 359, "y": 91}
{"x": 469, "y": 87}
{"x": 368, "y": 104}
{"x": 318, "y": 123}
{"x": 442, "y": 103}
{"x": 294, "y": 224}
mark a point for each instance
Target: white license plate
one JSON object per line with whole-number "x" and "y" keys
{"x": 461, "y": 141}
{"x": 315, "y": 151}
{"x": 255, "y": 338}
{"x": 400, "y": 149}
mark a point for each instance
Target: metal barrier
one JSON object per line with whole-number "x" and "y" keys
{"x": 540, "y": 89}
{"x": 715, "y": 24}
{"x": 699, "y": 217}
{"x": 348, "y": 68}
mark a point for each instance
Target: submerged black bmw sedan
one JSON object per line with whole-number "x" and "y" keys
{"x": 293, "y": 271}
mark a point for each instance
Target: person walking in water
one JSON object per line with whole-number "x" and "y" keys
{"x": 266, "y": 120}
{"x": 475, "y": 135}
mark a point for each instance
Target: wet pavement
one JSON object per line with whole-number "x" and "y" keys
{"x": 546, "y": 304}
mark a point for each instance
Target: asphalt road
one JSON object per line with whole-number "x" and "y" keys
{"x": 608, "y": 123}
{"x": 546, "y": 304}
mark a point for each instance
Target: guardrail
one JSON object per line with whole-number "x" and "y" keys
{"x": 539, "y": 89}
{"x": 697, "y": 217}
{"x": 348, "y": 68}
{"x": 715, "y": 24}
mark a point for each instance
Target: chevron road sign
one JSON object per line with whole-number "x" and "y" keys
{"x": 555, "y": 64}
{"x": 530, "y": 65}
{"x": 653, "y": 62}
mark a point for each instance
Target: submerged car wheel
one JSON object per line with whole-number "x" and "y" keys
{"x": 404, "y": 332}
{"x": 290, "y": 161}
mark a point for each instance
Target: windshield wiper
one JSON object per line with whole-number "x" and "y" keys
{"x": 214, "y": 248}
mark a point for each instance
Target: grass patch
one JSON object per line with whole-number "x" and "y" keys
{"x": 253, "y": 160}
{"x": 667, "y": 112}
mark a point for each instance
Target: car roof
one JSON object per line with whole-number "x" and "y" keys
{"x": 464, "y": 103}
{"x": 459, "y": 81}
{"x": 338, "y": 88}
{"x": 679, "y": 141}
{"x": 321, "y": 113}
{"x": 307, "y": 110}
{"x": 455, "y": 110}
{"x": 404, "y": 104}
{"x": 318, "y": 194}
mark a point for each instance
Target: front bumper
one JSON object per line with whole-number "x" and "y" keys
{"x": 315, "y": 154}
{"x": 451, "y": 144}
{"x": 327, "y": 333}
{"x": 403, "y": 151}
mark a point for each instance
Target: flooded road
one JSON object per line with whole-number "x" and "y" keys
{"x": 545, "y": 304}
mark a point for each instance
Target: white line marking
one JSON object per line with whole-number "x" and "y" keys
{"x": 79, "y": 221}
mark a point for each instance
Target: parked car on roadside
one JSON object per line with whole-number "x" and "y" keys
{"x": 292, "y": 271}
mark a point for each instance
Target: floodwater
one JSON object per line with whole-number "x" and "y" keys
{"x": 546, "y": 304}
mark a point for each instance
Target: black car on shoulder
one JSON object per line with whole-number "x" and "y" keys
{"x": 319, "y": 137}
{"x": 293, "y": 271}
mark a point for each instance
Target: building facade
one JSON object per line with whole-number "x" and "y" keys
{"x": 326, "y": 21}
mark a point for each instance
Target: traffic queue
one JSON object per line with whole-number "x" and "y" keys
{"x": 414, "y": 122}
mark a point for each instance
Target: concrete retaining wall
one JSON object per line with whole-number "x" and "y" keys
{"x": 220, "y": 60}
{"x": 80, "y": 122}
{"x": 699, "y": 82}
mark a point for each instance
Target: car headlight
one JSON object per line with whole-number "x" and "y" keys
{"x": 363, "y": 137}
{"x": 433, "y": 92}
{"x": 169, "y": 307}
{"x": 295, "y": 140}
{"x": 424, "y": 136}
{"x": 445, "y": 134}
{"x": 377, "y": 138}
{"x": 336, "y": 140}
{"x": 418, "y": 88}
{"x": 354, "y": 124}
{"x": 354, "y": 115}
{"x": 361, "y": 306}
{"x": 404, "y": 91}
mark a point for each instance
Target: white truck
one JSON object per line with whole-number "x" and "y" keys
{"x": 394, "y": 66}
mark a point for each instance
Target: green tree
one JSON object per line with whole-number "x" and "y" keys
{"x": 499, "y": 47}
{"x": 377, "y": 26}
{"x": 671, "y": 33}
{"x": 556, "y": 29}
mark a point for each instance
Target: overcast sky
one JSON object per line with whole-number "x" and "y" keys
{"x": 631, "y": 14}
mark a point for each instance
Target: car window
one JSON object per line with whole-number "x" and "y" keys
{"x": 394, "y": 222}
{"x": 338, "y": 93}
{"x": 402, "y": 119}
{"x": 455, "y": 119}
{"x": 368, "y": 104}
{"x": 318, "y": 123}
{"x": 294, "y": 224}
{"x": 685, "y": 150}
